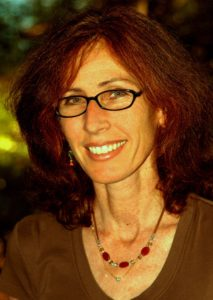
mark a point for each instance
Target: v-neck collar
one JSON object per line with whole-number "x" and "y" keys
{"x": 165, "y": 277}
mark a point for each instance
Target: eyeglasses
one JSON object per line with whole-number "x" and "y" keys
{"x": 113, "y": 100}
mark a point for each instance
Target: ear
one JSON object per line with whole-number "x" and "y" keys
{"x": 161, "y": 117}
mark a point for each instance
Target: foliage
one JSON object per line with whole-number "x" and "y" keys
{"x": 13, "y": 151}
{"x": 21, "y": 21}
{"x": 13, "y": 161}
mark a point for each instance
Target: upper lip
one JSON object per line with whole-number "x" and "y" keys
{"x": 100, "y": 144}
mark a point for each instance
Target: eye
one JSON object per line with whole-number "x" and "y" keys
{"x": 118, "y": 94}
{"x": 73, "y": 100}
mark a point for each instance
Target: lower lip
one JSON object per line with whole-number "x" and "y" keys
{"x": 105, "y": 156}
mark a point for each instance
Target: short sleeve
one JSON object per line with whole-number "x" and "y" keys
{"x": 18, "y": 274}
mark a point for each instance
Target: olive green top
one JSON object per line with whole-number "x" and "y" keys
{"x": 47, "y": 262}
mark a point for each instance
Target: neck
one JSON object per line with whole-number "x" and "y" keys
{"x": 126, "y": 208}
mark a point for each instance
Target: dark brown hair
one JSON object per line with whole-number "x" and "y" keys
{"x": 172, "y": 81}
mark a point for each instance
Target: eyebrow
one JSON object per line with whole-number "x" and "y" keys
{"x": 105, "y": 83}
{"x": 112, "y": 80}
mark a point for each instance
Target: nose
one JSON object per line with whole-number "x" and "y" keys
{"x": 96, "y": 119}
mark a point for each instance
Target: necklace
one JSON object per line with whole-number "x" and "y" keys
{"x": 125, "y": 263}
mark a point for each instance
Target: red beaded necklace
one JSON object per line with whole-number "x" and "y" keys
{"x": 125, "y": 263}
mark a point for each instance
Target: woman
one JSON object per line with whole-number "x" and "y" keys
{"x": 118, "y": 124}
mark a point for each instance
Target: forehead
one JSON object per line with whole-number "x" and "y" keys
{"x": 97, "y": 63}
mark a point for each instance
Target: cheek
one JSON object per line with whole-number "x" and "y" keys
{"x": 146, "y": 127}
{"x": 70, "y": 131}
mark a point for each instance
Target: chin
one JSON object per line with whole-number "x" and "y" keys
{"x": 104, "y": 178}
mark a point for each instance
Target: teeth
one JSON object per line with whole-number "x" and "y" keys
{"x": 106, "y": 148}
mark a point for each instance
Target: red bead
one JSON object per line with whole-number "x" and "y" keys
{"x": 145, "y": 250}
{"x": 123, "y": 264}
{"x": 106, "y": 256}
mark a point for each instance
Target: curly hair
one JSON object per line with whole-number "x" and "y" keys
{"x": 173, "y": 83}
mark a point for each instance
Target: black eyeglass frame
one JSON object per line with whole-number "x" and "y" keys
{"x": 88, "y": 99}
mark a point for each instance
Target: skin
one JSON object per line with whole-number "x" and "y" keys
{"x": 127, "y": 204}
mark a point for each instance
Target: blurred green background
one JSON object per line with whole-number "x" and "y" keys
{"x": 22, "y": 22}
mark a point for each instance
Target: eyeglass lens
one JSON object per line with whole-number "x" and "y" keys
{"x": 110, "y": 100}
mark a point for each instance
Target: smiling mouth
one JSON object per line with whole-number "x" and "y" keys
{"x": 106, "y": 148}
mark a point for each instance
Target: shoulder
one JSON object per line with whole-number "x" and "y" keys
{"x": 37, "y": 224}
{"x": 39, "y": 232}
{"x": 203, "y": 208}
{"x": 200, "y": 202}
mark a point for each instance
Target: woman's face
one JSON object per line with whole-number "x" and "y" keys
{"x": 110, "y": 145}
